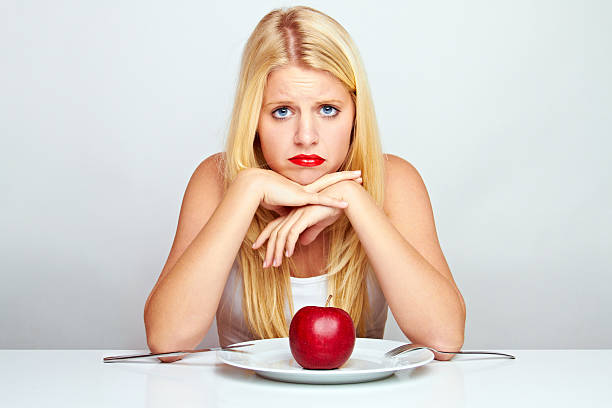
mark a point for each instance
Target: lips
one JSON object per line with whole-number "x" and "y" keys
{"x": 307, "y": 160}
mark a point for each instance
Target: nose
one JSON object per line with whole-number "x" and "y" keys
{"x": 306, "y": 133}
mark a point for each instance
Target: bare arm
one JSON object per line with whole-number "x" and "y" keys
{"x": 182, "y": 305}
{"x": 402, "y": 246}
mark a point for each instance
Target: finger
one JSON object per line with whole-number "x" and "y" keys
{"x": 269, "y": 248}
{"x": 294, "y": 234}
{"x": 322, "y": 199}
{"x": 311, "y": 233}
{"x": 281, "y": 237}
{"x": 303, "y": 223}
{"x": 263, "y": 236}
{"x": 292, "y": 238}
{"x": 332, "y": 178}
{"x": 271, "y": 244}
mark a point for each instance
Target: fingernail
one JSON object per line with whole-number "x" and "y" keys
{"x": 357, "y": 172}
{"x": 359, "y": 180}
{"x": 287, "y": 253}
{"x": 343, "y": 203}
{"x": 253, "y": 246}
{"x": 276, "y": 262}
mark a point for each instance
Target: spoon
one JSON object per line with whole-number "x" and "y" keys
{"x": 412, "y": 347}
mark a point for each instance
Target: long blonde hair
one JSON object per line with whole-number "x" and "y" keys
{"x": 307, "y": 37}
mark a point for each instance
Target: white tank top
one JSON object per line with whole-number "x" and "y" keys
{"x": 232, "y": 327}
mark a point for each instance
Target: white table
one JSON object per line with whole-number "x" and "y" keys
{"x": 79, "y": 378}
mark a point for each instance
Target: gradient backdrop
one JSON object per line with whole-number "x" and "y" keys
{"x": 504, "y": 107}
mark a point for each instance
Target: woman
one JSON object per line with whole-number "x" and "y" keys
{"x": 283, "y": 206}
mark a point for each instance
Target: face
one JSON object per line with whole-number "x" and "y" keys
{"x": 305, "y": 112}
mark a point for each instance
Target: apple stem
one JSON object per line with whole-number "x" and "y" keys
{"x": 328, "y": 299}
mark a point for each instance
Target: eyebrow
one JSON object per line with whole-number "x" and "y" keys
{"x": 336, "y": 101}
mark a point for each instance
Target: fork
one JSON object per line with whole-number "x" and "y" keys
{"x": 412, "y": 347}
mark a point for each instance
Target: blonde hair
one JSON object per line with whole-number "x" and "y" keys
{"x": 307, "y": 37}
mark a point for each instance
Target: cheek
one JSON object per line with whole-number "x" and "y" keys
{"x": 342, "y": 137}
{"x": 273, "y": 150}
{"x": 266, "y": 140}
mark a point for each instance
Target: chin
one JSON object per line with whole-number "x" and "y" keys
{"x": 301, "y": 179}
{"x": 306, "y": 176}
{"x": 302, "y": 176}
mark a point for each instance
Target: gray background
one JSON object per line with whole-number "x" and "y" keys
{"x": 504, "y": 108}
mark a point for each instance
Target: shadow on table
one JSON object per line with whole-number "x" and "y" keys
{"x": 442, "y": 384}
{"x": 209, "y": 384}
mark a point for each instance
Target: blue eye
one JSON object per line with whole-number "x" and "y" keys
{"x": 329, "y": 112}
{"x": 283, "y": 109}
{"x": 330, "y": 107}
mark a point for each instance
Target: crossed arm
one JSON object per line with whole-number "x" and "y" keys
{"x": 401, "y": 243}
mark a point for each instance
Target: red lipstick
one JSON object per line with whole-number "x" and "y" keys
{"x": 307, "y": 160}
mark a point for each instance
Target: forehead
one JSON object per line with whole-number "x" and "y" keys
{"x": 297, "y": 82}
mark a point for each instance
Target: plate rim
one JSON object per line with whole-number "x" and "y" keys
{"x": 335, "y": 373}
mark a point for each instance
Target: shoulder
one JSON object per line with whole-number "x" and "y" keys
{"x": 394, "y": 164}
{"x": 408, "y": 206}
{"x": 205, "y": 188}
{"x": 209, "y": 174}
{"x": 402, "y": 180}
{"x": 213, "y": 165}
{"x": 203, "y": 194}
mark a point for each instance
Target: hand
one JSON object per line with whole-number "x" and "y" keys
{"x": 279, "y": 192}
{"x": 304, "y": 223}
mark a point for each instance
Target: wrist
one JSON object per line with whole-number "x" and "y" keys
{"x": 249, "y": 182}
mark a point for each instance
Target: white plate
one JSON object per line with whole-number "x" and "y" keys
{"x": 272, "y": 358}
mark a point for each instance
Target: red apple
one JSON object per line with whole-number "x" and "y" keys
{"x": 321, "y": 338}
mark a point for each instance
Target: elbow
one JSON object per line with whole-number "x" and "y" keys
{"x": 448, "y": 336}
{"x": 165, "y": 359}
{"x": 166, "y": 335}
{"x": 157, "y": 343}
{"x": 454, "y": 341}
{"x": 443, "y": 357}
{"x": 448, "y": 345}
{"x": 448, "y": 355}
{"x": 160, "y": 341}
{"x": 169, "y": 345}
{"x": 449, "y": 342}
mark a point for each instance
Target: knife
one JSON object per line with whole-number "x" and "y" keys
{"x": 173, "y": 353}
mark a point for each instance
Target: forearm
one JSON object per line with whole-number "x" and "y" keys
{"x": 183, "y": 306}
{"x": 425, "y": 304}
